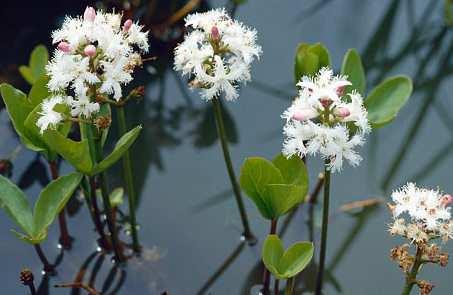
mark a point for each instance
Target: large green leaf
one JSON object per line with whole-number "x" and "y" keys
{"x": 280, "y": 198}
{"x": 256, "y": 173}
{"x": 121, "y": 147}
{"x": 285, "y": 264}
{"x": 51, "y": 201}
{"x": 309, "y": 59}
{"x": 293, "y": 170}
{"x": 75, "y": 152}
{"x": 386, "y": 99}
{"x": 16, "y": 205}
{"x": 272, "y": 252}
{"x": 295, "y": 259}
{"x": 37, "y": 64}
{"x": 353, "y": 68}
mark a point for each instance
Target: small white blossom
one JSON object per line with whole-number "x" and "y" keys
{"x": 316, "y": 120}
{"x": 95, "y": 55}
{"x": 49, "y": 117}
{"x": 217, "y": 53}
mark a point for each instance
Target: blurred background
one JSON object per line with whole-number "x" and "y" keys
{"x": 189, "y": 224}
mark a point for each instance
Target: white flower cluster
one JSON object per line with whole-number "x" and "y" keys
{"x": 317, "y": 121}
{"x": 421, "y": 214}
{"x": 95, "y": 54}
{"x": 217, "y": 53}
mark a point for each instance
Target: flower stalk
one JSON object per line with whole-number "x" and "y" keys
{"x": 411, "y": 277}
{"x": 128, "y": 178}
{"x": 325, "y": 222}
{"x": 248, "y": 235}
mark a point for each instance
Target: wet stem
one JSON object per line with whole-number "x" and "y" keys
{"x": 226, "y": 154}
{"x": 411, "y": 277}
{"x": 290, "y": 286}
{"x": 266, "y": 273}
{"x": 128, "y": 178}
{"x": 65, "y": 239}
{"x": 48, "y": 267}
{"x": 325, "y": 222}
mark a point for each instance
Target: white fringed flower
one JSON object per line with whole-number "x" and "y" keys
{"x": 424, "y": 213}
{"x": 217, "y": 53}
{"x": 95, "y": 55}
{"x": 49, "y": 117}
{"x": 316, "y": 122}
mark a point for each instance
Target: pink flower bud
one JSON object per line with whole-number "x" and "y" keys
{"x": 64, "y": 46}
{"x": 127, "y": 25}
{"x": 90, "y": 50}
{"x": 304, "y": 115}
{"x": 340, "y": 90}
{"x": 215, "y": 34}
{"x": 325, "y": 101}
{"x": 342, "y": 112}
{"x": 446, "y": 200}
{"x": 89, "y": 14}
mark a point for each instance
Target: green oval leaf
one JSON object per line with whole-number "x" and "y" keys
{"x": 16, "y": 205}
{"x": 385, "y": 100}
{"x": 309, "y": 59}
{"x": 280, "y": 198}
{"x": 272, "y": 252}
{"x": 39, "y": 91}
{"x": 256, "y": 173}
{"x": 293, "y": 170}
{"x": 51, "y": 201}
{"x": 353, "y": 68}
{"x": 121, "y": 147}
{"x": 295, "y": 259}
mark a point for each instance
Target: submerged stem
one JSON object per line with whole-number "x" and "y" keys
{"x": 411, "y": 277}
{"x": 65, "y": 239}
{"x": 48, "y": 267}
{"x": 226, "y": 154}
{"x": 325, "y": 222}
{"x": 128, "y": 178}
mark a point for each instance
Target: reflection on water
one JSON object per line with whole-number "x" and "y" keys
{"x": 189, "y": 225}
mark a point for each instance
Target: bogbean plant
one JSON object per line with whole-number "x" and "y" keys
{"x": 331, "y": 116}
{"x": 95, "y": 57}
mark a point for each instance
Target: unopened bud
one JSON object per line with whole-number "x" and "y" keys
{"x": 303, "y": 115}
{"x": 64, "y": 47}
{"x": 340, "y": 90}
{"x": 447, "y": 200}
{"x": 103, "y": 122}
{"x": 425, "y": 287}
{"x": 90, "y": 50}
{"x": 6, "y": 167}
{"x": 26, "y": 277}
{"x": 443, "y": 259}
{"x": 342, "y": 112}
{"x": 325, "y": 101}
{"x": 127, "y": 25}
{"x": 215, "y": 35}
{"x": 89, "y": 14}
{"x": 138, "y": 92}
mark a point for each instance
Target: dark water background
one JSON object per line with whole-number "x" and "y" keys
{"x": 189, "y": 223}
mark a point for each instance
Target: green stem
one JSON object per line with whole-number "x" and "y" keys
{"x": 108, "y": 206}
{"x": 289, "y": 286}
{"x": 411, "y": 277}
{"x": 325, "y": 222}
{"x": 128, "y": 178}
{"x": 266, "y": 273}
{"x": 226, "y": 154}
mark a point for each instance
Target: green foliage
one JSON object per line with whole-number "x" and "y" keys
{"x": 310, "y": 58}
{"x": 37, "y": 65}
{"x": 286, "y": 264}
{"x": 353, "y": 68}
{"x": 275, "y": 187}
{"x": 51, "y": 201}
{"x": 386, "y": 99}
{"x": 448, "y": 12}
{"x": 117, "y": 197}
